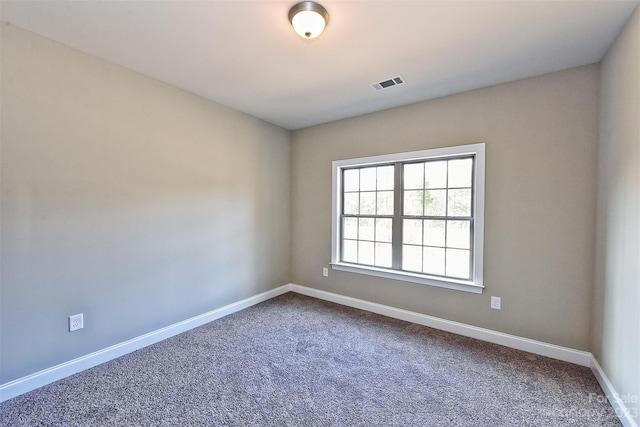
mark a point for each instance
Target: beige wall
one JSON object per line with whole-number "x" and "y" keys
{"x": 127, "y": 200}
{"x": 541, "y": 136}
{"x": 616, "y": 342}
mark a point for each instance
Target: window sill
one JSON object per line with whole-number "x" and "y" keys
{"x": 460, "y": 285}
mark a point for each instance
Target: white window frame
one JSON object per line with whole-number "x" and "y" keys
{"x": 475, "y": 285}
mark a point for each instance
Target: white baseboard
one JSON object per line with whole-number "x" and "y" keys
{"x": 55, "y": 373}
{"x": 614, "y": 398}
{"x": 577, "y": 357}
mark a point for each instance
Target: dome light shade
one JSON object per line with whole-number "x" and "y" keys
{"x": 308, "y": 19}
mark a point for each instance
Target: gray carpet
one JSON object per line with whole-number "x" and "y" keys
{"x": 298, "y": 361}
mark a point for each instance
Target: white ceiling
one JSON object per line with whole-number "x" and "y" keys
{"x": 245, "y": 54}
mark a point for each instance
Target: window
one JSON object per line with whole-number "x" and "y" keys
{"x": 415, "y": 216}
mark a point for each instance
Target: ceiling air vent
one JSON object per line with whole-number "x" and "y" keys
{"x": 384, "y": 84}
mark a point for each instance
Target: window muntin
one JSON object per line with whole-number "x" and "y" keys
{"x": 367, "y": 213}
{"x": 437, "y": 219}
{"x": 413, "y": 216}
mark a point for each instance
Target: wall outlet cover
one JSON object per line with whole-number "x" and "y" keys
{"x": 76, "y": 322}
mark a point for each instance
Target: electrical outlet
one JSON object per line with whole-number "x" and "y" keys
{"x": 325, "y": 271}
{"x": 76, "y": 322}
{"x": 496, "y": 303}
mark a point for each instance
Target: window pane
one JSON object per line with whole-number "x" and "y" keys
{"x": 383, "y": 229}
{"x": 413, "y": 202}
{"x": 413, "y": 175}
{"x": 351, "y": 180}
{"x": 368, "y": 203}
{"x": 366, "y": 253}
{"x": 458, "y": 234}
{"x": 385, "y": 178}
{"x": 433, "y": 261}
{"x": 460, "y": 173}
{"x": 350, "y": 251}
{"x": 458, "y": 263}
{"x": 366, "y": 229}
{"x": 460, "y": 202}
{"x": 385, "y": 203}
{"x": 383, "y": 255}
{"x": 435, "y": 202}
{"x": 434, "y": 233}
{"x": 412, "y": 258}
{"x": 435, "y": 174}
{"x": 351, "y": 202}
{"x": 367, "y": 179}
{"x": 412, "y": 231}
{"x": 350, "y": 228}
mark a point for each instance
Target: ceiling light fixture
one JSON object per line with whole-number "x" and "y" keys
{"x": 308, "y": 18}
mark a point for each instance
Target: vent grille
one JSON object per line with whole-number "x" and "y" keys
{"x": 385, "y": 84}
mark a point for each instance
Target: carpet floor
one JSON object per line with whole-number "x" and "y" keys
{"x": 299, "y": 361}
